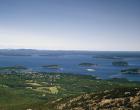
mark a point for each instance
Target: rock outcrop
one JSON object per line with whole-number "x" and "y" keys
{"x": 117, "y": 99}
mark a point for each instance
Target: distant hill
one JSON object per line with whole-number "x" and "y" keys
{"x": 29, "y": 52}
{"x": 17, "y": 52}
{"x": 96, "y": 54}
{"x": 23, "y": 52}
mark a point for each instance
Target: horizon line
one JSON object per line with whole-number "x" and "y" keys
{"x": 69, "y": 50}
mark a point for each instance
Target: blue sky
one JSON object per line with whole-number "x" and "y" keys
{"x": 70, "y": 24}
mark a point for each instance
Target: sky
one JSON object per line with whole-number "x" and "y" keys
{"x": 100, "y": 25}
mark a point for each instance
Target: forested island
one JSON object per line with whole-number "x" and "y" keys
{"x": 85, "y": 64}
{"x": 54, "y": 66}
{"x": 120, "y": 63}
{"x": 131, "y": 71}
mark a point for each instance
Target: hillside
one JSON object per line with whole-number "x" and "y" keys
{"x": 61, "y": 91}
{"x": 116, "y": 99}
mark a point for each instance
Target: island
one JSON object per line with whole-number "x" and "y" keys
{"x": 51, "y": 66}
{"x": 15, "y": 67}
{"x": 109, "y": 57}
{"x": 120, "y": 63}
{"x": 87, "y": 64}
{"x": 131, "y": 71}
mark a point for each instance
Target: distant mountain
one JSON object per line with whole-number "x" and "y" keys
{"x": 98, "y": 54}
{"x": 22, "y": 52}
{"x": 29, "y": 52}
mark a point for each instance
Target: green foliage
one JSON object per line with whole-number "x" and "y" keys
{"x": 38, "y": 90}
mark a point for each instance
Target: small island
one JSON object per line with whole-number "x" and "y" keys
{"x": 51, "y": 66}
{"x": 109, "y": 57}
{"x": 131, "y": 71}
{"x": 120, "y": 63}
{"x": 16, "y": 67}
{"x": 87, "y": 64}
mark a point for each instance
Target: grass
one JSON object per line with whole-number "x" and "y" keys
{"x": 53, "y": 90}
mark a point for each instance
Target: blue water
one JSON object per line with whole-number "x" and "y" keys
{"x": 69, "y": 63}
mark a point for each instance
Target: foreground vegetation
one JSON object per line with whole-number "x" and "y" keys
{"x": 116, "y": 99}
{"x": 43, "y": 91}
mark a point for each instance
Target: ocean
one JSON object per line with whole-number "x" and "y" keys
{"x": 69, "y": 63}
